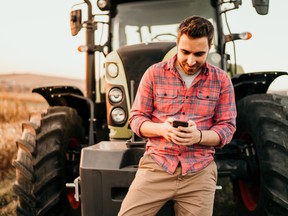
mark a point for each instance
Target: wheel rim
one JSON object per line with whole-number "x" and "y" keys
{"x": 71, "y": 156}
{"x": 250, "y": 190}
{"x": 249, "y": 194}
{"x": 72, "y": 201}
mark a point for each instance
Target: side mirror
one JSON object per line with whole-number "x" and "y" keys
{"x": 261, "y": 6}
{"x": 75, "y": 21}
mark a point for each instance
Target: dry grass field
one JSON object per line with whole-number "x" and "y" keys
{"x": 15, "y": 108}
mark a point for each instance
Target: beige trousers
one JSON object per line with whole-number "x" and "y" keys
{"x": 193, "y": 194}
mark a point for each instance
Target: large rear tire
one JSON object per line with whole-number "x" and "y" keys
{"x": 48, "y": 158}
{"x": 262, "y": 124}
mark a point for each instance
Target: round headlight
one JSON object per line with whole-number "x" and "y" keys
{"x": 112, "y": 70}
{"x": 115, "y": 95}
{"x": 118, "y": 115}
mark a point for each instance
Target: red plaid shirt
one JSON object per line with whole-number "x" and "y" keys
{"x": 209, "y": 102}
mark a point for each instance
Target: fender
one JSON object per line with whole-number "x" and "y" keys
{"x": 73, "y": 97}
{"x": 254, "y": 83}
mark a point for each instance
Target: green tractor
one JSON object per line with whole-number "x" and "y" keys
{"x": 80, "y": 156}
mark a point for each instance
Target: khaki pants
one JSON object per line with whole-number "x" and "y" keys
{"x": 193, "y": 194}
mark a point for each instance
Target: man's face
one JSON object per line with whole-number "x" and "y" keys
{"x": 192, "y": 53}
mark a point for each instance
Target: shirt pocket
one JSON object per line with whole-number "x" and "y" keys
{"x": 207, "y": 101}
{"x": 166, "y": 101}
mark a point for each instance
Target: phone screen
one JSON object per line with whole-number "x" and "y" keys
{"x": 179, "y": 123}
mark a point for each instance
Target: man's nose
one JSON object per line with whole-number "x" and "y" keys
{"x": 191, "y": 60}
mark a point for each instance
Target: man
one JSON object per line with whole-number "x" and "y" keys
{"x": 178, "y": 162}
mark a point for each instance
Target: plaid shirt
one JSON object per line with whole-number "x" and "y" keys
{"x": 209, "y": 102}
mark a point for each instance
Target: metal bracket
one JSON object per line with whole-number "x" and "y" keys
{"x": 75, "y": 185}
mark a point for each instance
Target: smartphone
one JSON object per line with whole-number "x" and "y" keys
{"x": 179, "y": 123}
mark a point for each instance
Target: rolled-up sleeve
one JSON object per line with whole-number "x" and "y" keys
{"x": 225, "y": 113}
{"x": 143, "y": 104}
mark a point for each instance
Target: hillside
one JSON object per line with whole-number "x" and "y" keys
{"x": 26, "y": 82}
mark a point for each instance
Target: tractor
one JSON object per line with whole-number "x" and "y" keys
{"x": 80, "y": 156}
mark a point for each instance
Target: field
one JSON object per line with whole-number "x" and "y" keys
{"x": 16, "y": 102}
{"x": 15, "y": 108}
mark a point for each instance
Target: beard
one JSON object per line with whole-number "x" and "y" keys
{"x": 189, "y": 70}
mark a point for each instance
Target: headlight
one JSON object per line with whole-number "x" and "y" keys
{"x": 115, "y": 95}
{"x": 118, "y": 115}
{"x": 112, "y": 70}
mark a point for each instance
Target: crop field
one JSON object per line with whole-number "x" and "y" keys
{"x": 15, "y": 107}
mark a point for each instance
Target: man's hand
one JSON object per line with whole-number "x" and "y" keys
{"x": 185, "y": 135}
{"x": 167, "y": 129}
{"x": 181, "y": 136}
{"x": 152, "y": 129}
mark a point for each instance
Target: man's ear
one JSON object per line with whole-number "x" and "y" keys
{"x": 210, "y": 45}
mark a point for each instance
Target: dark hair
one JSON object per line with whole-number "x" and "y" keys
{"x": 196, "y": 27}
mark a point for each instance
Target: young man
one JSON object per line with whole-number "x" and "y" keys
{"x": 178, "y": 163}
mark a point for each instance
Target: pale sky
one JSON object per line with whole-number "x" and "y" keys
{"x": 35, "y": 38}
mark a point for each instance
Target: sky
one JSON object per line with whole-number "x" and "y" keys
{"x": 35, "y": 38}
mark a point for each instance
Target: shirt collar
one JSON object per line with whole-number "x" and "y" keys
{"x": 205, "y": 69}
{"x": 171, "y": 64}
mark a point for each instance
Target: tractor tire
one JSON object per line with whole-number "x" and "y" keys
{"x": 262, "y": 123}
{"x": 48, "y": 157}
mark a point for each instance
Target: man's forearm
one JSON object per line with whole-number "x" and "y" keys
{"x": 210, "y": 138}
{"x": 151, "y": 129}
